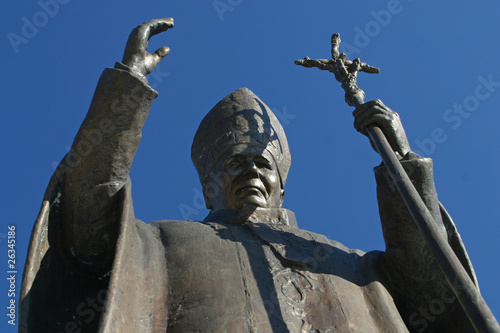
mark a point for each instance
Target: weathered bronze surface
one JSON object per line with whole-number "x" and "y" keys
{"x": 247, "y": 267}
{"x": 468, "y": 295}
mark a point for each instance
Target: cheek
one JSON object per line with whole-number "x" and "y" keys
{"x": 226, "y": 184}
{"x": 221, "y": 178}
{"x": 218, "y": 184}
{"x": 211, "y": 190}
{"x": 274, "y": 182}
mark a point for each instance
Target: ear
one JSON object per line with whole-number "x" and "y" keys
{"x": 206, "y": 190}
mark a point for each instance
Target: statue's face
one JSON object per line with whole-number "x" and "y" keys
{"x": 245, "y": 174}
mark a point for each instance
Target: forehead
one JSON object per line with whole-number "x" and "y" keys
{"x": 246, "y": 150}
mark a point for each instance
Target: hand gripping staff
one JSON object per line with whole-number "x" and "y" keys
{"x": 475, "y": 307}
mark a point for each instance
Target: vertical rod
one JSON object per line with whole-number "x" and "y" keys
{"x": 468, "y": 295}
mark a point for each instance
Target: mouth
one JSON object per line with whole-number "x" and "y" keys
{"x": 251, "y": 186}
{"x": 248, "y": 189}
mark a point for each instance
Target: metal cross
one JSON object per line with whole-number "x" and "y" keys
{"x": 345, "y": 71}
{"x": 467, "y": 293}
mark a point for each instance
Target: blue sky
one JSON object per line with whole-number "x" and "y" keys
{"x": 439, "y": 71}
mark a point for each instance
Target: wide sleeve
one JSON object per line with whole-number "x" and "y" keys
{"x": 86, "y": 228}
{"x": 421, "y": 292}
{"x": 98, "y": 164}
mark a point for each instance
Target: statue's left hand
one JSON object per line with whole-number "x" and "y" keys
{"x": 377, "y": 113}
{"x": 136, "y": 56}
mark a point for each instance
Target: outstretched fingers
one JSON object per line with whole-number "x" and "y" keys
{"x": 156, "y": 57}
{"x": 162, "y": 52}
{"x": 146, "y": 30}
{"x": 160, "y": 25}
{"x": 136, "y": 56}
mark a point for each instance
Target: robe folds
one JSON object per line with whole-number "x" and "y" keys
{"x": 251, "y": 270}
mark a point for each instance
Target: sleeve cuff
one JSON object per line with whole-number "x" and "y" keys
{"x": 119, "y": 65}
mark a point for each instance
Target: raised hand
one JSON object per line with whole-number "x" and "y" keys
{"x": 377, "y": 113}
{"x": 136, "y": 56}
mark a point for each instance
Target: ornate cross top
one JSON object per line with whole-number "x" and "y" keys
{"x": 345, "y": 71}
{"x": 465, "y": 290}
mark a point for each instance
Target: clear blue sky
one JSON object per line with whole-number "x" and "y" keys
{"x": 439, "y": 69}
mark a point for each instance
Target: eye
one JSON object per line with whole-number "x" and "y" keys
{"x": 233, "y": 163}
{"x": 263, "y": 163}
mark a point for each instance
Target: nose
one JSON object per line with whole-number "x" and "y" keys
{"x": 251, "y": 168}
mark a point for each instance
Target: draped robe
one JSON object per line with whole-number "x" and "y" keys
{"x": 251, "y": 270}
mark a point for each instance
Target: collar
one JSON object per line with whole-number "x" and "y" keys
{"x": 253, "y": 214}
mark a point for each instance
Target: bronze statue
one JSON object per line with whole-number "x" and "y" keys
{"x": 247, "y": 267}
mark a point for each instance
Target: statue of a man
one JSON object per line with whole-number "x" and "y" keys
{"x": 92, "y": 266}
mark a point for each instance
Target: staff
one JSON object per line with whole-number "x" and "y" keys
{"x": 475, "y": 307}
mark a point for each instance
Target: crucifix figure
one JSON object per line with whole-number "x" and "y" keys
{"x": 346, "y": 71}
